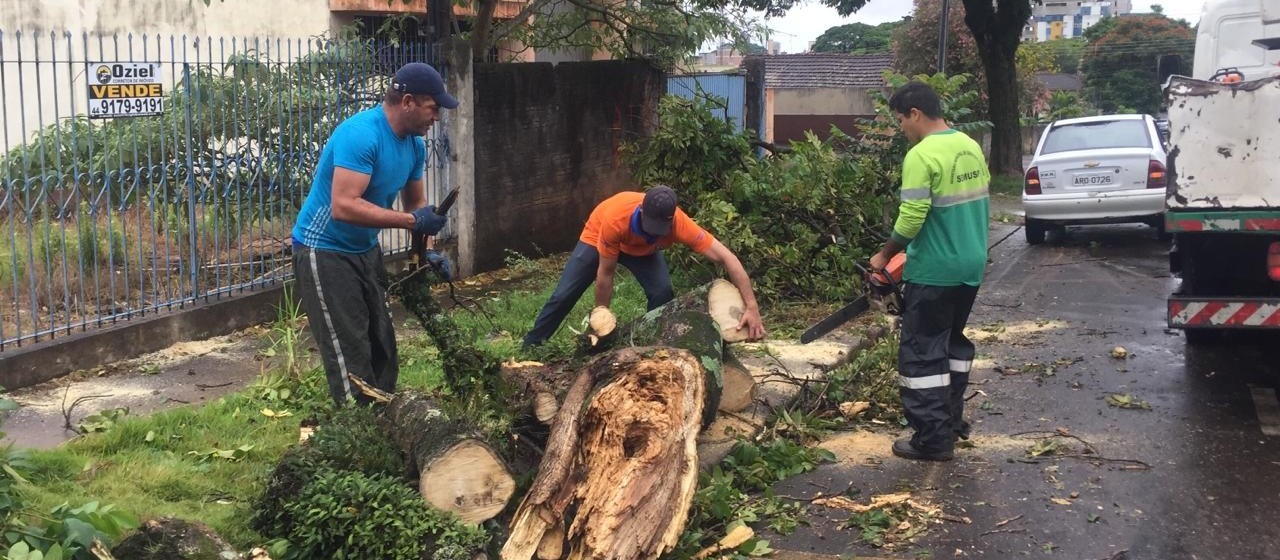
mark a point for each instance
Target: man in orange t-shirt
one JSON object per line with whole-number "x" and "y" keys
{"x": 632, "y": 229}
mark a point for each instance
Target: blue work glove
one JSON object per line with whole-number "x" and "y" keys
{"x": 441, "y": 264}
{"x": 427, "y": 222}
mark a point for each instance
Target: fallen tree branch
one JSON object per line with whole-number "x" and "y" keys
{"x": 68, "y": 410}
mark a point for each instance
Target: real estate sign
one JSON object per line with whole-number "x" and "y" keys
{"x": 124, "y": 89}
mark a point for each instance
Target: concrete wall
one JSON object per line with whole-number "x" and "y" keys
{"x": 823, "y": 101}
{"x": 56, "y": 88}
{"x": 546, "y": 150}
{"x": 1030, "y": 137}
{"x": 276, "y": 18}
{"x": 789, "y": 113}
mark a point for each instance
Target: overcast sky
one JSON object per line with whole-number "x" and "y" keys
{"x": 804, "y": 23}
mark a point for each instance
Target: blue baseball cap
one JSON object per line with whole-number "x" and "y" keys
{"x": 658, "y": 211}
{"x": 421, "y": 79}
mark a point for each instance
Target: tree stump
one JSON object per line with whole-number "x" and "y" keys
{"x": 168, "y": 538}
{"x": 622, "y": 457}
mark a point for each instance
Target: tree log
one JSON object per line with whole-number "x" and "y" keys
{"x": 739, "y": 385}
{"x": 622, "y": 458}
{"x": 457, "y": 469}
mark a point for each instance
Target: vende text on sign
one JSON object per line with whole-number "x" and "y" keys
{"x": 124, "y": 89}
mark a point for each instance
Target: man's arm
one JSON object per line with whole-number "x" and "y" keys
{"x": 414, "y": 195}
{"x": 917, "y": 200}
{"x": 604, "y": 280}
{"x": 349, "y": 207}
{"x": 722, "y": 256}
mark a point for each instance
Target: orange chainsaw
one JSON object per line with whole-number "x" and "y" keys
{"x": 881, "y": 284}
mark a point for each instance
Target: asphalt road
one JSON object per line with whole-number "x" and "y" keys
{"x": 1213, "y": 486}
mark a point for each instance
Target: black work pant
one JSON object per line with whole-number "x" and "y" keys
{"x": 345, "y": 300}
{"x": 934, "y": 360}
{"x": 580, "y": 272}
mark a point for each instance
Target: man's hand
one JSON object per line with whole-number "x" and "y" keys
{"x": 879, "y": 261}
{"x": 752, "y": 323}
{"x": 440, "y": 263}
{"x": 427, "y": 222}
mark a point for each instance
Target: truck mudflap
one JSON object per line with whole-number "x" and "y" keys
{"x": 1242, "y": 313}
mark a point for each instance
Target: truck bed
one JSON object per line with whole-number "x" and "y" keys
{"x": 1224, "y": 144}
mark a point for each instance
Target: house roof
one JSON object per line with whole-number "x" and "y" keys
{"x": 816, "y": 70}
{"x": 1060, "y": 82}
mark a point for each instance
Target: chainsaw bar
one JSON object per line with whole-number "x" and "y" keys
{"x": 854, "y": 308}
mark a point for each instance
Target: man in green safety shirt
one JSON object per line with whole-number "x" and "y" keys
{"x": 942, "y": 224}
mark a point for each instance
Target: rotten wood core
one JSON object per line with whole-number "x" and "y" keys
{"x": 622, "y": 457}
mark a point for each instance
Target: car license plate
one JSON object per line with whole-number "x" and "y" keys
{"x": 1081, "y": 180}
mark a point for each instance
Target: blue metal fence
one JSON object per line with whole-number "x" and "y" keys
{"x": 106, "y": 217}
{"x": 729, "y": 88}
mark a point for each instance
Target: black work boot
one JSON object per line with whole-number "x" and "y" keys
{"x": 962, "y": 430}
{"x": 904, "y": 449}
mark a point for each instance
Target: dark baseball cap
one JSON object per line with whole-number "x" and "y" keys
{"x": 658, "y": 211}
{"x": 421, "y": 79}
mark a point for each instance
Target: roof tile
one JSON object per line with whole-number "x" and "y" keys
{"x": 815, "y": 70}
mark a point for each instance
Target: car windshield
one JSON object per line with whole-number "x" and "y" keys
{"x": 1096, "y": 135}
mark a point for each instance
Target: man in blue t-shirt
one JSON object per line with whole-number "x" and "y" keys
{"x": 371, "y": 158}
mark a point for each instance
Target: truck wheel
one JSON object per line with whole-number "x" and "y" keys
{"x": 1161, "y": 233}
{"x": 1035, "y": 230}
{"x": 1202, "y": 337}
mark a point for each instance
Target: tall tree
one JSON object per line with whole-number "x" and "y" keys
{"x": 915, "y": 44}
{"x": 996, "y": 28}
{"x": 856, "y": 38}
{"x": 1120, "y": 60}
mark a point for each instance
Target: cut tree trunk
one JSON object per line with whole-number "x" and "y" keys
{"x": 622, "y": 458}
{"x": 689, "y": 322}
{"x": 739, "y": 385}
{"x": 457, "y": 469}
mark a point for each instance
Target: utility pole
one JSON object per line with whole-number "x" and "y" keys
{"x": 942, "y": 40}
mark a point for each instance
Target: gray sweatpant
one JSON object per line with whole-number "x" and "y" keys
{"x": 344, "y": 297}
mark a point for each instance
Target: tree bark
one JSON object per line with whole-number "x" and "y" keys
{"x": 997, "y": 29}
{"x": 621, "y": 460}
{"x": 686, "y": 323}
{"x": 482, "y": 24}
{"x": 457, "y": 469}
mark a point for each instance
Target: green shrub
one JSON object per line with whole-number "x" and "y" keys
{"x": 348, "y": 440}
{"x": 99, "y": 243}
{"x": 350, "y": 515}
{"x": 799, "y": 219}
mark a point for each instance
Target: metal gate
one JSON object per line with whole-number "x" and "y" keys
{"x": 729, "y": 89}
{"x": 179, "y": 185}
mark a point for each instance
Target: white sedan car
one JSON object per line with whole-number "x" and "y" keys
{"x": 1095, "y": 170}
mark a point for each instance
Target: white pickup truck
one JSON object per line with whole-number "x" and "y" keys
{"x": 1223, "y": 194}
